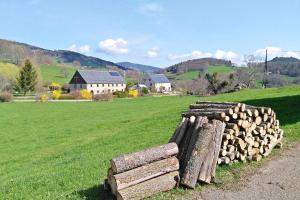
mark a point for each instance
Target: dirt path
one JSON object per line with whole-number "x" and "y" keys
{"x": 278, "y": 179}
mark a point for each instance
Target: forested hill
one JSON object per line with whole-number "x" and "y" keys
{"x": 16, "y": 52}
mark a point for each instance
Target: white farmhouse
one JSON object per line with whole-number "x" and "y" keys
{"x": 97, "y": 82}
{"x": 157, "y": 82}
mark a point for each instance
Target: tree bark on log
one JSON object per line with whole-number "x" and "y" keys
{"x": 183, "y": 148}
{"x": 196, "y": 154}
{"x": 143, "y": 173}
{"x": 178, "y": 136}
{"x": 148, "y": 188}
{"x": 129, "y": 161}
{"x": 208, "y": 168}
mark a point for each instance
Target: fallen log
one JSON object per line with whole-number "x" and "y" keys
{"x": 129, "y": 161}
{"x": 150, "y": 187}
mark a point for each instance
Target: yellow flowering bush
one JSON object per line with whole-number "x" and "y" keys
{"x": 133, "y": 93}
{"x": 43, "y": 98}
{"x": 85, "y": 94}
{"x": 56, "y": 94}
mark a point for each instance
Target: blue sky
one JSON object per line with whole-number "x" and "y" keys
{"x": 157, "y": 33}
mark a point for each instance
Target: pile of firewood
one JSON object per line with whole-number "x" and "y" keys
{"x": 210, "y": 133}
{"x": 251, "y": 132}
{"x": 145, "y": 173}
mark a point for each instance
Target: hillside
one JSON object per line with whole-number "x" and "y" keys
{"x": 197, "y": 64}
{"x": 139, "y": 67}
{"x": 15, "y": 52}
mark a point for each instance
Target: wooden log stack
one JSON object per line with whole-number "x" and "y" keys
{"x": 142, "y": 174}
{"x": 250, "y": 132}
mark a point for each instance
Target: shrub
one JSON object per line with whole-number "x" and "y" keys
{"x": 43, "y": 98}
{"x": 103, "y": 97}
{"x": 56, "y": 94}
{"x": 75, "y": 94}
{"x": 133, "y": 93}
{"x": 121, "y": 94}
{"x": 145, "y": 90}
{"x": 6, "y": 97}
{"x": 85, "y": 94}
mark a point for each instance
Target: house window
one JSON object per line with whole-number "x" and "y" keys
{"x": 112, "y": 90}
{"x": 108, "y": 90}
{"x": 108, "y": 85}
{"x": 102, "y": 85}
{"x": 91, "y": 85}
{"x": 102, "y": 91}
{"x": 112, "y": 85}
{"x": 97, "y": 91}
{"x": 97, "y": 85}
{"x": 80, "y": 86}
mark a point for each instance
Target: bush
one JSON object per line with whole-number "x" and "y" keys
{"x": 43, "y": 98}
{"x": 103, "y": 97}
{"x": 75, "y": 94}
{"x": 85, "y": 94}
{"x": 145, "y": 91}
{"x": 6, "y": 97}
{"x": 66, "y": 97}
{"x": 121, "y": 94}
{"x": 56, "y": 94}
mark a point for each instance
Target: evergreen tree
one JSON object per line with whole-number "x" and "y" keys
{"x": 27, "y": 78}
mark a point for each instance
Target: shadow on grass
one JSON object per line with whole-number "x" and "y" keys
{"x": 96, "y": 192}
{"x": 287, "y": 108}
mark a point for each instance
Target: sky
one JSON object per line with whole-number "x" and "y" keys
{"x": 158, "y": 33}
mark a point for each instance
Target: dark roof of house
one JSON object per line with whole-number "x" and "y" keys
{"x": 94, "y": 76}
{"x": 159, "y": 78}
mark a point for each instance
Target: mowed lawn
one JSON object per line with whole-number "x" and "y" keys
{"x": 62, "y": 150}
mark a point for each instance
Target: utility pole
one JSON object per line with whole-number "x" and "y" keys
{"x": 264, "y": 82}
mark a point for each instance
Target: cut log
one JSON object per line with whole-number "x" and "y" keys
{"x": 211, "y": 115}
{"x": 180, "y": 133}
{"x": 177, "y": 130}
{"x": 149, "y": 188}
{"x": 208, "y": 168}
{"x": 129, "y": 161}
{"x": 198, "y": 122}
{"x": 196, "y": 154}
{"x": 144, "y": 173}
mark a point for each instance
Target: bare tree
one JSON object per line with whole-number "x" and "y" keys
{"x": 65, "y": 72}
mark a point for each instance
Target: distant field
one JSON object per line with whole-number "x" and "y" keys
{"x": 190, "y": 75}
{"x": 52, "y": 73}
{"x": 62, "y": 150}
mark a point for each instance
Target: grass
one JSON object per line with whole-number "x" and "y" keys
{"x": 62, "y": 150}
{"x": 193, "y": 74}
{"x": 52, "y": 73}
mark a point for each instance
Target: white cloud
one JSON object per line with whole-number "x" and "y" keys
{"x": 189, "y": 56}
{"x": 274, "y": 52}
{"x": 227, "y": 55}
{"x": 114, "y": 46}
{"x": 152, "y": 53}
{"x": 81, "y": 49}
{"x": 151, "y": 8}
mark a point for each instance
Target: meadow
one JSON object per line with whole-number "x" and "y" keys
{"x": 193, "y": 74}
{"x": 53, "y": 73}
{"x": 62, "y": 150}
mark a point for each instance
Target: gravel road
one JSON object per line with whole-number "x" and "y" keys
{"x": 278, "y": 179}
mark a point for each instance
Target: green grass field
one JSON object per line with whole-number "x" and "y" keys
{"x": 62, "y": 150}
{"x": 52, "y": 73}
{"x": 193, "y": 74}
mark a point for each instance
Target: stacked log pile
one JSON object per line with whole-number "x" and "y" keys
{"x": 250, "y": 133}
{"x": 145, "y": 173}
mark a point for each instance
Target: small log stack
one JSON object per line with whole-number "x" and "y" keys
{"x": 142, "y": 174}
{"x": 250, "y": 133}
